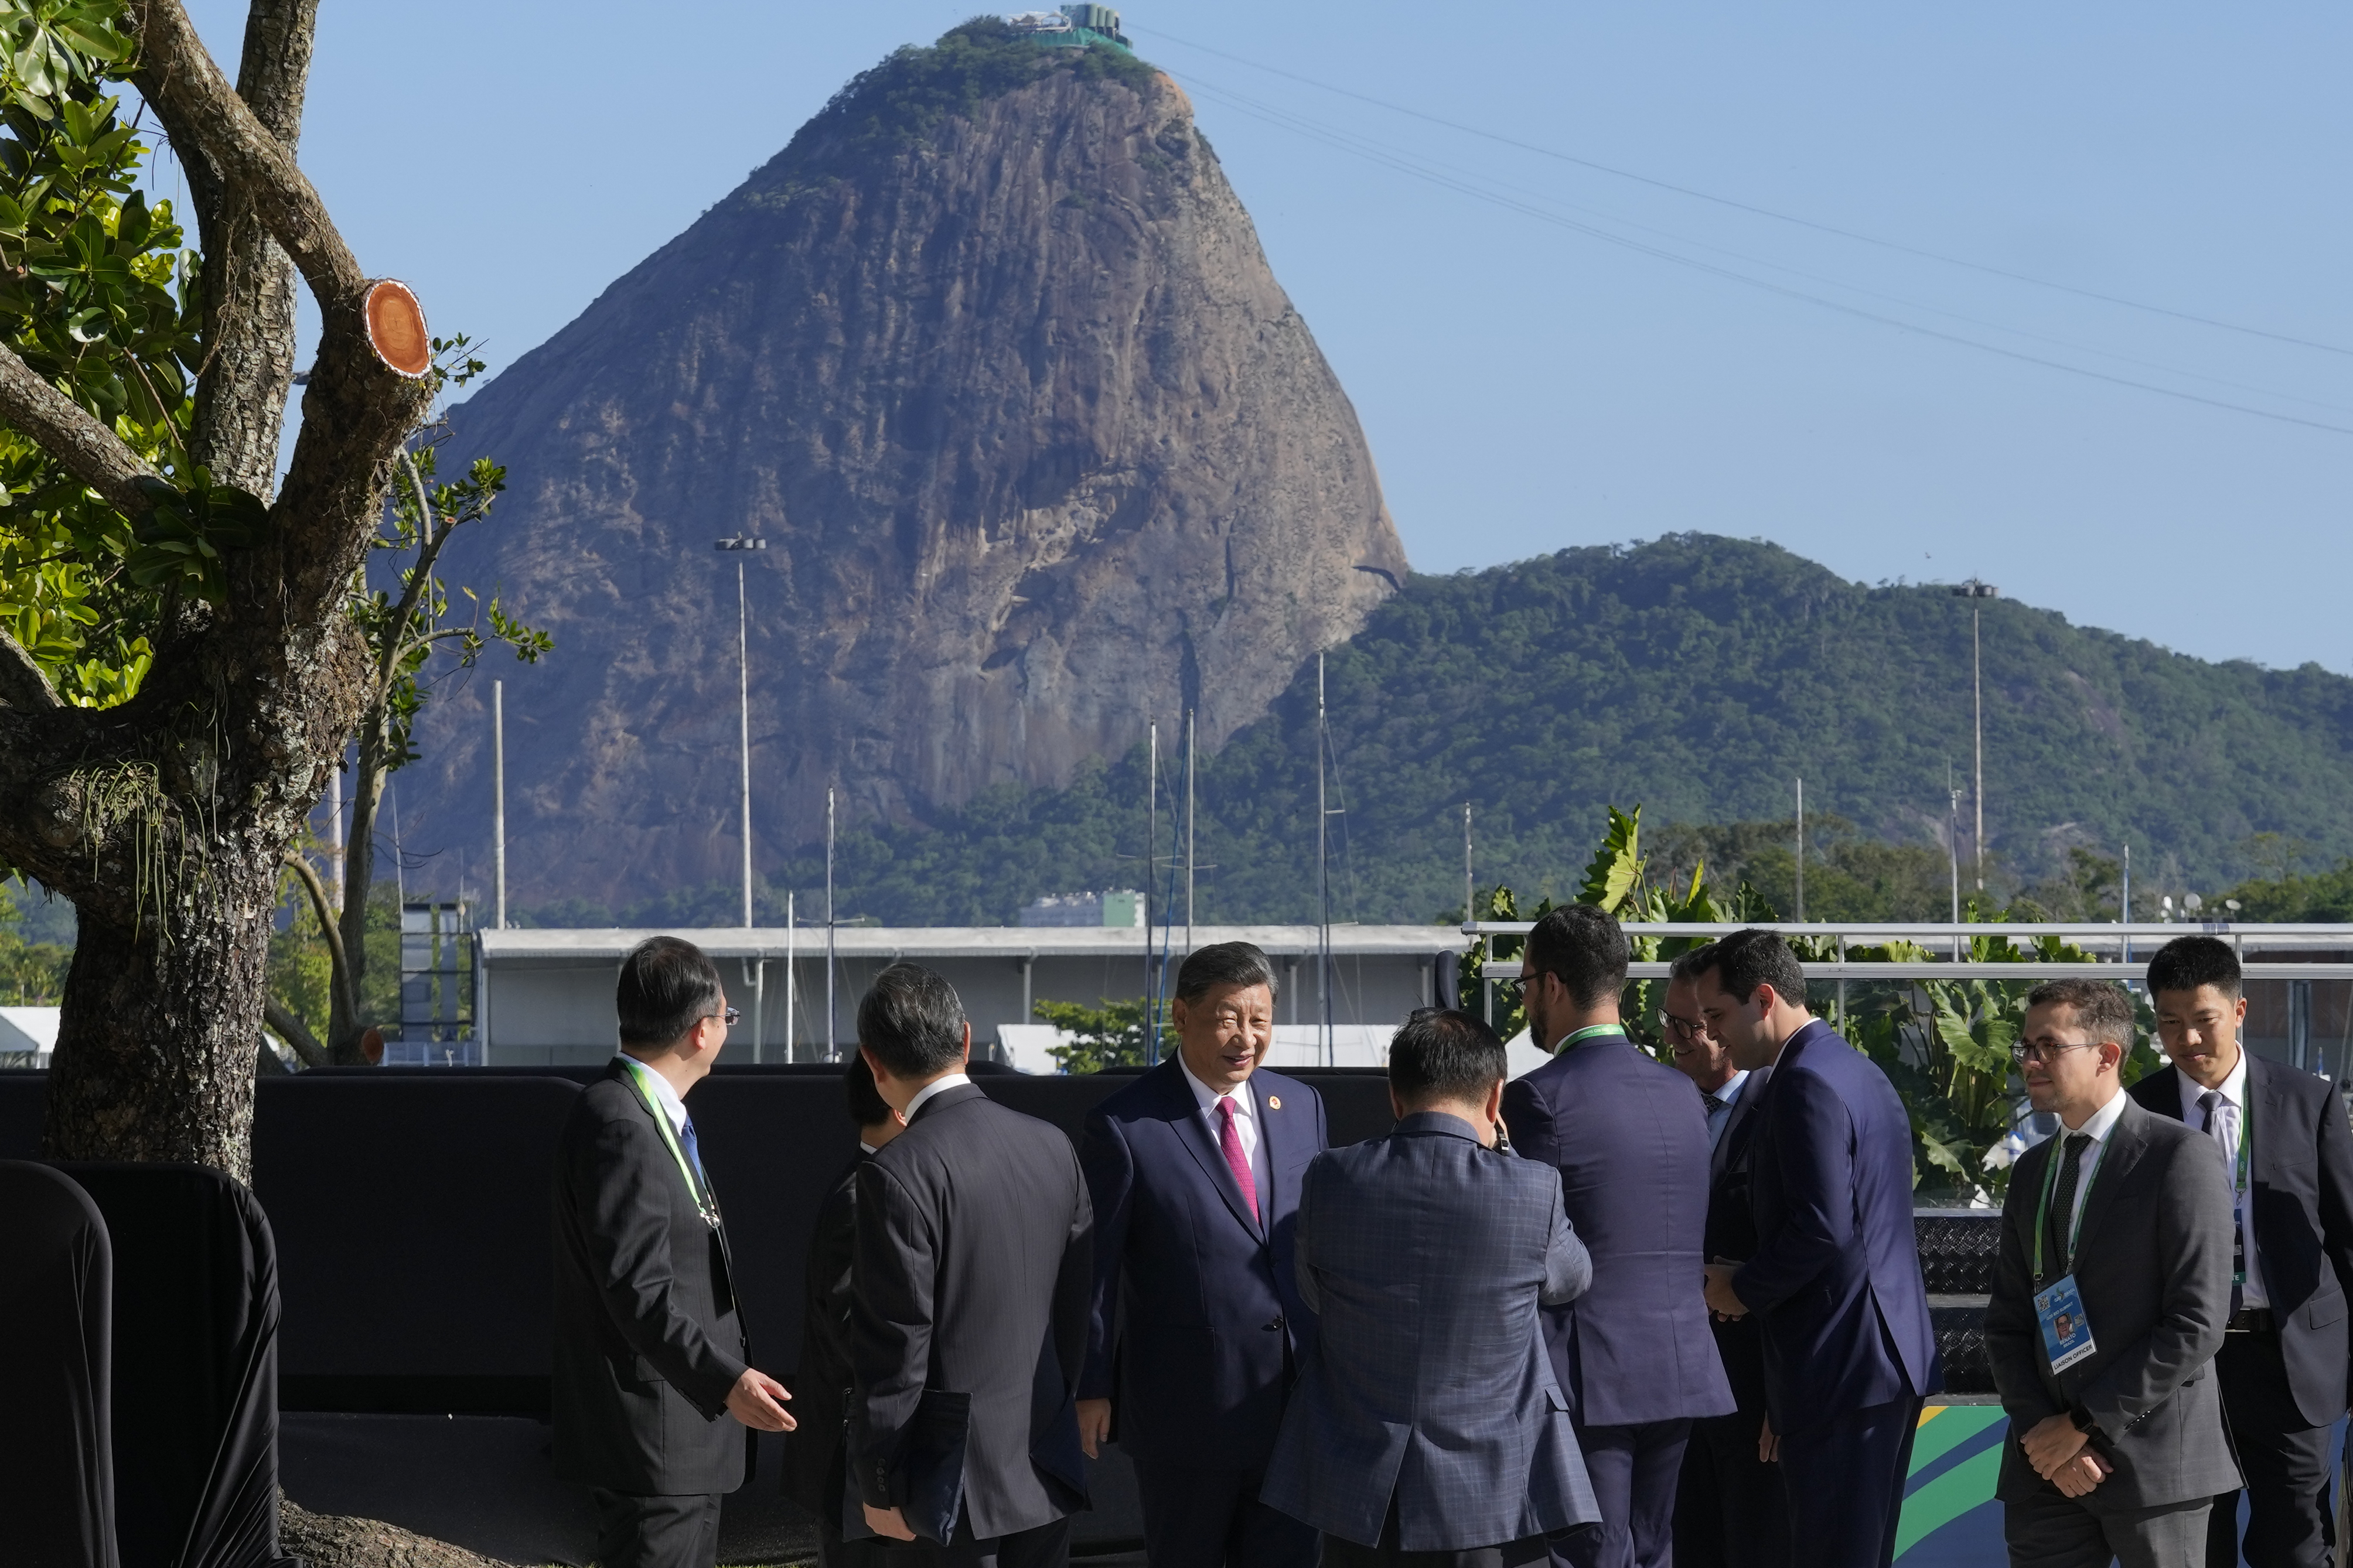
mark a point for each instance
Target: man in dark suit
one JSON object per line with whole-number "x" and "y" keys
{"x": 1835, "y": 1277}
{"x": 2281, "y": 1137}
{"x": 1426, "y": 1427}
{"x": 814, "y": 1473}
{"x": 1627, "y": 1135}
{"x": 2119, "y": 1226}
{"x": 968, "y": 1314}
{"x": 1729, "y": 1509}
{"x": 1198, "y": 1326}
{"x": 649, "y": 1355}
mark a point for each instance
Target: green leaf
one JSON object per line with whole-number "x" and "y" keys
{"x": 1616, "y": 864}
{"x": 92, "y": 38}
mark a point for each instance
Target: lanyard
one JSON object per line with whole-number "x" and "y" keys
{"x": 2082, "y": 1199}
{"x": 2246, "y": 1141}
{"x": 1590, "y": 1031}
{"x": 705, "y": 1205}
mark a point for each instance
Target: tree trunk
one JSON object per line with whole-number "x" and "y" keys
{"x": 155, "y": 1049}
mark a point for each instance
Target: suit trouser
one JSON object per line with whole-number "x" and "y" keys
{"x": 1729, "y": 1508}
{"x": 1634, "y": 1470}
{"x": 1213, "y": 1518}
{"x": 1040, "y": 1546}
{"x": 1389, "y": 1552}
{"x": 1844, "y": 1481}
{"x": 2049, "y": 1531}
{"x": 634, "y": 1530}
{"x": 2284, "y": 1458}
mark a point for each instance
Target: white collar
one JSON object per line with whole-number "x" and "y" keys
{"x": 2101, "y": 1122}
{"x": 2234, "y": 1088}
{"x": 664, "y": 1095}
{"x": 1208, "y": 1097}
{"x": 944, "y": 1081}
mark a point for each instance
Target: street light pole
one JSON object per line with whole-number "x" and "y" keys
{"x": 1976, "y": 593}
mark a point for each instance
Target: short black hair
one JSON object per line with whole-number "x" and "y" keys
{"x": 1583, "y": 949}
{"x": 668, "y": 985}
{"x": 2104, "y": 1010}
{"x": 1225, "y": 964}
{"x": 1439, "y": 1053}
{"x": 1749, "y": 958}
{"x": 913, "y": 1021}
{"x": 1692, "y": 965}
{"x": 867, "y": 1106}
{"x": 2189, "y": 961}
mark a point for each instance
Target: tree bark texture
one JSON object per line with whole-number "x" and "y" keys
{"x": 165, "y": 819}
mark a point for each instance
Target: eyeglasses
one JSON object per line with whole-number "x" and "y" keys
{"x": 731, "y": 1015}
{"x": 1682, "y": 1028}
{"x": 2024, "y": 1052}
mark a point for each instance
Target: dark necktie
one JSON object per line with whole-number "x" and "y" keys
{"x": 695, "y": 1158}
{"x": 2063, "y": 1205}
{"x": 2211, "y": 1102}
{"x": 1714, "y": 1105}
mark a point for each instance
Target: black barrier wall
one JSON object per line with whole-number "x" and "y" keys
{"x": 411, "y": 1209}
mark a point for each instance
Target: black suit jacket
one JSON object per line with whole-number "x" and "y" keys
{"x": 647, "y": 1339}
{"x": 970, "y": 1277}
{"x": 820, "y": 1384}
{"x": 1731, "y": 1234}
{"x": 2301, "y": 1173}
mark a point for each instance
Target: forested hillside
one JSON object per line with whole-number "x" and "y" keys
{"x": 1698, "y": 677}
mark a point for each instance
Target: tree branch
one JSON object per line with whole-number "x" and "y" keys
{"x": 342, "y": 966}
{"x": 23, "y": 683}
{"x": 73, "y": 436}
{"x": 178, "y": 75}
{"x": 290, "y": 1028}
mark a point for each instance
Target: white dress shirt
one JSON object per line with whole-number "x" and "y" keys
{"x": 2099, "y": 1124}
{"x": 2233, "y": 1114}
{"x": 937, "y": 1085}
{"x": 664, "y": 1096}
{"x": 1245, "y": 1126}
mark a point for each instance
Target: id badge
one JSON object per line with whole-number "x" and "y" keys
{"x": 2066, "y": 1333}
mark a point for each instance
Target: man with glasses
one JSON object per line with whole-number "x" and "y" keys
{"x": 2110, "y": 1296}
{"x": 1729, "y": 1511}
{"x": 649, "y": 1355}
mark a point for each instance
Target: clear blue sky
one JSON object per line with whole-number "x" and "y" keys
{"x": 1528, "y": 386}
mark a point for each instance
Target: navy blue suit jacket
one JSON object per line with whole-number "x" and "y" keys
{"x": 1429, "y": 1255}
{"x": 1197, "y": 1326}
{"x": 2300, "y": 1169}
{"x": 1629, "y": 1139}
{"x": 1835, "y": 1280}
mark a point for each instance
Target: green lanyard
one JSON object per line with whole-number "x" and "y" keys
{"x": 2082, "y": 1200}
{"x": 1589, "y": 1032}
{"x": 704, "y": 1203}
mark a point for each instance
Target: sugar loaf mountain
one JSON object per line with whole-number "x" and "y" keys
{"x": 991, "y": 357}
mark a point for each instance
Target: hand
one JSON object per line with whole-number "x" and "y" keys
{"x": 1718, "y": 1290}
{"x": 889, "y": 1521}
{"x": 1094, "y": 1425}
{"x": 2054, "y": 1441}
{"x": 2080, "y": 1475}
{"x": 1768, "y": 1444}
{"x": 753, "y": 1402}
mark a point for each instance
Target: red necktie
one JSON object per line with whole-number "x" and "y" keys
{"x": 1230, "y": 1143}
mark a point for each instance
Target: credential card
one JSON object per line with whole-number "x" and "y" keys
{"x": 2066, "y": 1333}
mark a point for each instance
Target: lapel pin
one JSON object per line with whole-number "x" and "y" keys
{"x": 1274, "y": 1102}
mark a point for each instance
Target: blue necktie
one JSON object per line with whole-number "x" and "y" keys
{"x": 693, "y": 1155}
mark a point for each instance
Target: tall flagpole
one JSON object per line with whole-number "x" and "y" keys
{"x": 832, "y": 1050}
{"x": 499, "y": 804}
{"x": 1190, "y": 844}
{"x": 1323, "y": 874}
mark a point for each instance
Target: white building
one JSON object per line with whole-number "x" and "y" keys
{"x": 545, "y": 997}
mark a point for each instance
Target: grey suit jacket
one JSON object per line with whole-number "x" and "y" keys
{"x": 970, "y": 1274}
{"x": 2153, "y": 1266}
{"x": 1426, "y": 1257}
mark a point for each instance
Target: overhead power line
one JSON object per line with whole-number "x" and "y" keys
{"x": 1738, "y": 206}
{"x": 1420, "y": 169}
